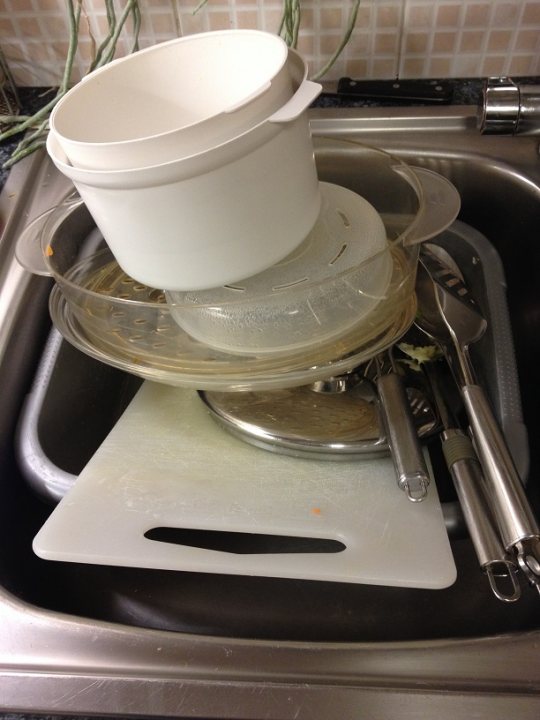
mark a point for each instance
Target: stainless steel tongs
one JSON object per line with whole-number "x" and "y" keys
{"x": 453, "y": 321}
{"x": 466, "y": 473}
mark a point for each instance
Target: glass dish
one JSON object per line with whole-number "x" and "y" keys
{"x": 108, "y": 315}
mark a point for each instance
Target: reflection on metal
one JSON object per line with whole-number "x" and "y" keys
{"x": 510, "y": 108}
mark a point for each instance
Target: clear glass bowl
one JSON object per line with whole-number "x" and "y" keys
{"x": 110, "y": 316}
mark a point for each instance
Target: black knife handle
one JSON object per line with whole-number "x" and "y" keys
{"x": 428, "y": 91}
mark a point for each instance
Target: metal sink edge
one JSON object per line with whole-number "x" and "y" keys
{"x": 87, "y": 655}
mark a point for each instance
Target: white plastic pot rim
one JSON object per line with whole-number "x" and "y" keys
{"x": 194, "y": 164}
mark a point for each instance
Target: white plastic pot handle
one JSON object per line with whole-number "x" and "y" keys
{"x": 442, "y": 204}
{"x": 300, "y": 101}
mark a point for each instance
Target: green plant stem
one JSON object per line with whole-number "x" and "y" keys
{"x": 10, "y": 119}
{"x": 74, "y": 16}
{"x": 111, "y": 23}
{"x": 24, "y": 152}
{"x": 297, "y": 19}
{"x": 41, "y": 116}
{"x": 38, "y": 122}
{"x": 136, "y": 15}
{"x": 29, "y": 122}
{"x": 127, "y": 11}
{"x": 345, "y": 39}
{"x": 289, "y": 29}
{"x": 199, "y": 6}
{"x": 289, "y": 21}
{"x": 31, "y": 137}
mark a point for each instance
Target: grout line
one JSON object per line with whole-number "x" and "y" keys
{"x": 487, "y": 33}
{"x": 401, "y": 31}
{"x": 459, "y": 38}
{"x": 513, "y": 40}
{"x": 230, "y": 8}
{"x": 176, "y": 16}
{"x": 371, "y": 41}
{"x": 317, "y": 40}
{"x": 429, "y": 49}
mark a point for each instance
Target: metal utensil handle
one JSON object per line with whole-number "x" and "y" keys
{"x": 405, "y": 450}
{"x": 503, "y": 486}
{"x": 462, "y": 463}
{"x": 466, "y": 474}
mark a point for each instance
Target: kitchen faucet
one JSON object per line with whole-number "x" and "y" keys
{"x": 510, "y": 108}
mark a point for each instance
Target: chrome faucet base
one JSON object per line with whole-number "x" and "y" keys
{"x": 510, "y": 108}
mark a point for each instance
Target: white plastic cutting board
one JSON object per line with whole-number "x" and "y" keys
{"x": 168, "y": 464}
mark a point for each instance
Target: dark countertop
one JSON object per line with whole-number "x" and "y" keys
{"x": 461, "y": 91}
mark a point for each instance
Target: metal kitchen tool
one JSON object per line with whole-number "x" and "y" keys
{"x": 169, "y": 489}
{"x": 466, "y": 474}
{"x": 402, "y": 437}
{"x": 337, "y": 418}
{"x": 448, "y": 314}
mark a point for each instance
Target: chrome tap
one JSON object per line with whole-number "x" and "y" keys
{"x": 510, "y": 108}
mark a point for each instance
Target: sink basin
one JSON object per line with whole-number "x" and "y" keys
{"x": 90, "y": 639}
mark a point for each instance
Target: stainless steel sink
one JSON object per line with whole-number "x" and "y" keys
{"x": 88, "y": 639}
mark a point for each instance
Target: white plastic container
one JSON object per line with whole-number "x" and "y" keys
{"x": 215, "y": 217}
{"x": 329, "y": 284}
{"x": 173, "y": 100}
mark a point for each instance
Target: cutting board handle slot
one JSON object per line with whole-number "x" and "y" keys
{"x": 241, "y": 543}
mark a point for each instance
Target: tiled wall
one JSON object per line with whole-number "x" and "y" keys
{"x": 409, "y": 38}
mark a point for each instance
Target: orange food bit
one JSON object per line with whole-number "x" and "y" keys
{"x": 49, "y": 251}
